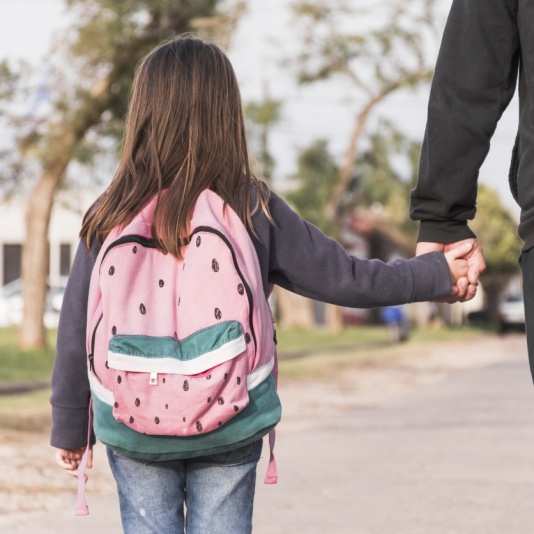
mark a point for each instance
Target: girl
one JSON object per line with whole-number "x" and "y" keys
{"x": 185, "y": 133}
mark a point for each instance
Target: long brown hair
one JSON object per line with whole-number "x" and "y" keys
{"x": 184, "y": 132}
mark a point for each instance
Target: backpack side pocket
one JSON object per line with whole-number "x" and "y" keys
{"x": 164, "y": 386}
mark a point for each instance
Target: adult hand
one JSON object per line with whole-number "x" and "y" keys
{"x": 465, "y": 288}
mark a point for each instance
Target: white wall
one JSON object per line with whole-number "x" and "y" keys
{"x": 64, "y": 227}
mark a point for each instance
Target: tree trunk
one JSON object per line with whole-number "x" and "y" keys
{"x": 295, "y": 311}
{"x": 35, "y": 258}
{"x": 334, "y": 318}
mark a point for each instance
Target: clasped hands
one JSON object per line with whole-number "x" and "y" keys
{"x": 465, "y": 287}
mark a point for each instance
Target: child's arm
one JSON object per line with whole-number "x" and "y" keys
{"x": 457, "y": 260}
{"x": 297, "y": 256}
{"x": 70, "y": 384}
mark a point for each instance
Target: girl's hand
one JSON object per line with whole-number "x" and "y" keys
{"x": 70, "y": 459}
{"x": 457, "y": 260}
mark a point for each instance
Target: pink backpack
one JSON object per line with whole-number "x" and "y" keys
{"x": 181, "y": 353}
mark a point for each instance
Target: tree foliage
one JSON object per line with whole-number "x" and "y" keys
{"x": 262, "y": 116}
{"x": 317, "y": 173}
{"x": 380, "y": 181}
{"x": 497, "y": 233}
{"x": 378, "y": 48}
{"x": 385, "y": 174}
{"x": 93, "y": 69}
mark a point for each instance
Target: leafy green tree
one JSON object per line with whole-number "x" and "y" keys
{"x": 97, "y": 57}
{"x": 262, "y": 116}
{"x": 378, "y": 48}
{"x": 317, "y": 173}
{"x": 497, "y": 233}
{"x": 385, "y": 174}
{"x": 380, "y": 182}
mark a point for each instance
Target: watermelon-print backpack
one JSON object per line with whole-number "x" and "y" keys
{"x": 181, "y": 353}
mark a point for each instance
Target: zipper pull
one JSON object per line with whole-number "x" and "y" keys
{"x": 153, "y": 379}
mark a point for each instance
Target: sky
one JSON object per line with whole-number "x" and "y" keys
{"x": 266, "y": 32}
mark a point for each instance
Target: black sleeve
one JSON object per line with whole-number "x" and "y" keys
{"x": 70, "y": 383}
{"x": 474, "y": 81}
{"x": 297, "y": 256}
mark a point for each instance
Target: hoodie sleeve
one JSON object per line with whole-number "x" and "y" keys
{"x": 70, "y": 384}
{"x": 297, "y": 256}
{"x": 474, "y": 81}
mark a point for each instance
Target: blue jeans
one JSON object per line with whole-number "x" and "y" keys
{"x": 217, "y": 491}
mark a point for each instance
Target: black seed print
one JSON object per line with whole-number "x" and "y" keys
{"x": 199, "y": 426}
{"x": 175, "y": 335}
{"x": 114, "y": 330}
{"x": 179, "y": 300}
{"x": 119, "y": 379}
{"x": 107, "y": 364}
{"x": 156, "y": 420}
{"x": 217, "y": 313}
{"x": 236, "y": 408}
{"x": 134, "y": 250}
{"x": 163, "y": 380}
{"x": 198, "y": 241}
{"x": 186, "y": 385}
{"x": 225, "y": 376}
{"x": 215, "y": 265}
{"x": 165, "y": 252}
{"x": 220, "y": 400}
{"x": 166, "y": 406}
{"x": 238, "y": 380}
{"x": 209, "y": 400}
{"x": 111, "y": 271}
{"x": 116, "y": 405}
{"x": 131, "y": 419}
{"x": 208, "y": 377}
{"x": 247, "y": 338}
{"x": 219, "y": 423}
{"x": 183, "y": 419}
{"x": 161, "y": 283}
{"x": 137, "y": 402}
{"x": 142, "y": 309}
{"x": 240, "y": 289}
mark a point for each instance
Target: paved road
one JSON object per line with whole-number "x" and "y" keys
{"x": 454, "y": 458}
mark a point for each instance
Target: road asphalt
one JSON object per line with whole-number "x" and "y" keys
{"x": 456, "y": 457}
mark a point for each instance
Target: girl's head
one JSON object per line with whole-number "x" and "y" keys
{"x": 185, "y": 132}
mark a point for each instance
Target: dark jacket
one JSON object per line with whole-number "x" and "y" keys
{"x": 486, "y": 45}
{"x": 292, "y": 253}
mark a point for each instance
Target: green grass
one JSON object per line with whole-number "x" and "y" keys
{"x": 295, "y": 340}
{"x": 359, "y": 342}
{"x": 320, "y": 353}
{"x": 24, "y": 366}
{"x": 28, "y": 412}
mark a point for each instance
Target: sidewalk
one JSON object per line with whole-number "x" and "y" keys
{"x": 456, "y": 457}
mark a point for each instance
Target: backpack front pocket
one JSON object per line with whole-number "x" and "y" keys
{"x": 164, "y": 386}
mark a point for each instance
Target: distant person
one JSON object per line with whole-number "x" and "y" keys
{"x": 184, "y": 134}
{"x": 486, "y": 47}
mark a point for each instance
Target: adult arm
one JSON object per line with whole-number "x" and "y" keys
{"x": 474, "y": 81}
